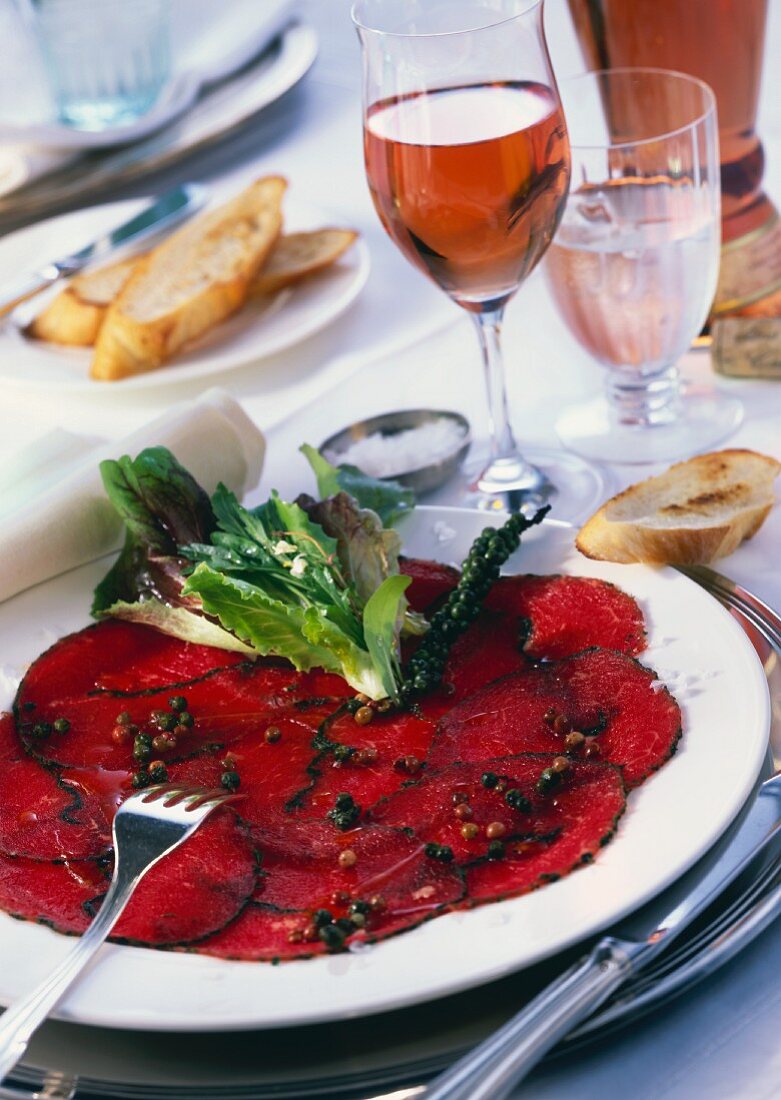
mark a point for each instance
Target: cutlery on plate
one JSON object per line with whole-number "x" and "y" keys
{"x": 491, "y": 1070}
{"x": 148, "y": 825}
{"x": 165, "y": 212}
{"x": 729, "y": 592}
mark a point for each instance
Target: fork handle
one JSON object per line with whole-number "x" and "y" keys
{"x": 491, "y": 1070}
{"x": 19, "y": 1022}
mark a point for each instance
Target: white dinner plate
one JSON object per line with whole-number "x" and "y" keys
{"x": 261, "y": 329}
{"x": 694, "y": 645}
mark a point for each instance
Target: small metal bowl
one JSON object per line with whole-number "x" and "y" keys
{"x": 423, "y": 479}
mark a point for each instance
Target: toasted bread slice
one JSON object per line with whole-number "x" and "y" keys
{"x": 76, "y": 314}
{"x": 297, "y": 255}
{"x": 698, "y": 510}
{"x": 189, "y": 283}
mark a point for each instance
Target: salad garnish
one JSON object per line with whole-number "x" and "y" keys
{"x": 314, "y": 581}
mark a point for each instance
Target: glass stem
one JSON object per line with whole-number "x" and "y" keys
{"x": 506, "y": 470}
{"x": 489, "y": 333}
{"x": 645, "y": 401}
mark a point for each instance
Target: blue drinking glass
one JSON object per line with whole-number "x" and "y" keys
{"x": 106, "y": 60}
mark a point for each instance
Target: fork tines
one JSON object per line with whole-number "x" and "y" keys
{"x": 192, "y": 797}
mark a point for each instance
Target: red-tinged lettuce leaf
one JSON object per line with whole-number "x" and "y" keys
{"x": 162, "y": 507}
{"x": 179, "y": 622}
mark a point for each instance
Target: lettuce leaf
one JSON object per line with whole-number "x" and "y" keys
{"x": 389, "y": 499}
{"x": 190, "y": 626}
{"x": 368, "y": 552}
{"x": 316, "y": 584}
{"x": 161, "y": 504}
{"x": 382, "y": 619}
{"x": 305, "y": 636}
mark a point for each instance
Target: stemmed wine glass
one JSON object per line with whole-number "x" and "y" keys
{"x": 468, "y": 166}
{"x": 635, "y": 261}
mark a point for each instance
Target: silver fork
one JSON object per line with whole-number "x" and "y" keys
{"x": 148, "y": 825}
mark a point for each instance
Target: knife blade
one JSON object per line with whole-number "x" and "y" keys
{"x": 165, "y": 212}
{"x": 493, "y": 1068}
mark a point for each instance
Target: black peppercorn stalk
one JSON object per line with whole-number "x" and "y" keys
{"x": 487, "y": 555}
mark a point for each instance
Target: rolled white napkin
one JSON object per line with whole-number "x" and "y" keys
{"x": 74, "y": 522}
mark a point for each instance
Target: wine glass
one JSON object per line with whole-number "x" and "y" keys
{"x": 635, "y": 262}
{"x": 468, "y": 166}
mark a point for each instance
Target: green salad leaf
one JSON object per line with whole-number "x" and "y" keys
{"x": 382, "y": 620}
{"x": 308, "y": 581}
{"x": 389, "y": 499}
{"x": 267, "y": 625}
{"x": 190, "y": 626}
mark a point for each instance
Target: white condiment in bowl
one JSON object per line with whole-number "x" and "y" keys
{"x": 421, "y": 448}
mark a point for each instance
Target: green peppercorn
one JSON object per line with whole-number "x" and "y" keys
{"x": 441, "y": 852}
{"x": 359, "y": 907}
{"x": 158, "y": 772}
{"x": 495, "y": 849}
{"x": 140, "y": 780}
{"x": 345, "y": 812}
{"x": 61, "y": 725}
{"x": 230, "y": 780}
{"x": 332, "y": 936}
{"x": 123, "y": 718}
{"x": 548, "y": 781}
{"x": 321, "y": 917}
{"x": 343, "y": 753}
{"x": 184, "y": 719}
{"x": 489, "y": 780}
{"x": 517, "y": 801}
{"x": 142, "y": 747}
{"x": 177, "y": 703}
{"x": 41, "y": 730}
{"x": 488, "y": 553}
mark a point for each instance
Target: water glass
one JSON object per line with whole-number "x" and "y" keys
{"x": 106, "y": 60}
{"x": 634, "y": 264}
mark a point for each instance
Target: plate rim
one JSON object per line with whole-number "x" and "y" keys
{"x": 484, "y": 973}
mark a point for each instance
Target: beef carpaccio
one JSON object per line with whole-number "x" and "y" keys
{"x": 354, "y": 822}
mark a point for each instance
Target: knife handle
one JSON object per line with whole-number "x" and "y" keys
{"x": 13, "y": 294}
{"x": 491, "y": 1070}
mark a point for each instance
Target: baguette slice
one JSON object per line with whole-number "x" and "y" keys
{"x": 697, "y": 511}
{"x": 74, "y": 317}
{"x": 298, "y": 255}
{"x": 192, "y": 281}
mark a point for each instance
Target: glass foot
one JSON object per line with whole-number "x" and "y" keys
{"x": 572, "y": 487}
{"x": 593, "y": 430}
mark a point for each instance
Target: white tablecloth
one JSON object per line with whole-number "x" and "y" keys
{"x": 403, "y": 345}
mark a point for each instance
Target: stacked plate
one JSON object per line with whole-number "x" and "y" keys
{"x": 223, "y": 109}
{"x": 391, "y": 1015}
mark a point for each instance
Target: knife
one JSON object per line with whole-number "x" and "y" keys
{"x": 494, "y": 1067}
{"x": 166, "y": 211}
